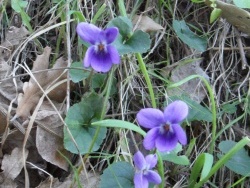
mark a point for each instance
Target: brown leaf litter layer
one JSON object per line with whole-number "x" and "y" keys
{"x": 40, "y": 81}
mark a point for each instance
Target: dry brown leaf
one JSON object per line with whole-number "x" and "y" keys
{"x": 6, "y": 182}
{"x": 90, "y": 180}
{"x": 32, "y": 91}
{"x": 49, "y": 138}
{"x": 14, "y": 35}
{"x": 13, "y": 164}
{"x": 194, "y": 88}
{"x": 234, "y": 15}
{"x": 146, "y": 24}
{"x": 8, "y": 90}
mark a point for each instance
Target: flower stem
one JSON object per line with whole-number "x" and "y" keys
{"x": 140, "y": 60}
{"x": 148, "y": 81}
{"x": 150, "y": 88}
{"x": 213, "y": 108}
{"x": 104, "y": 109}
{"x": 160, "y": 168}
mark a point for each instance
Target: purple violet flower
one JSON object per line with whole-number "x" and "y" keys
{"x": 144, "y": 174}
{"x": 165, "y": 130}
{"x": 101, "y": 54}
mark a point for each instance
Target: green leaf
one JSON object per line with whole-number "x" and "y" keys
{"x": 197, "y": 1}
{"x": 201, "y": 168}
{"x": 239, "y": 163}
{"x": 229, "y": 108}
{"x": 78, "y": 15}
{"x": 78, "y": 120}
{"x": 188, "y": 37}
{"x": 215, "y": 14}
{"x": 119, "y": 174}
{"x": 196, "y": 111}
{"x": 98, "y": 80}
{"x": 242, "y": 3}
{"x": 124, "y": 25}
{"x": 78, "y": 74}
{"x": 139, "y": 42}
{"x": 18, "y": 6}
{"x": 128, "y": 42}
{"x": 174, "y": 157}
{"x": 119, "y": 124}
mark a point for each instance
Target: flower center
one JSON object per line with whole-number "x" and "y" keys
{"x": 101, "y": 47}
{"x": 145, "y": 169}
{"x": 166, "y": 127}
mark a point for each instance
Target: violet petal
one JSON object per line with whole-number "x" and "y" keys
{"x": 180, "y": 133}
{"x": 175, "y": 112}
{"x": 111, "y": 34}
{"x": 140, "y": 181}
{"x": 150, "y": 117}
{"x": 88, "y": 32}
{"x": 151, "y": 160}
{"x": 114, "y": 55}
{"x": 101, "y": 62}
{"x": 151, "y": 136}
{"x": 89, "y": 55}
{"x": 166, "y": 142}
{"x": 153, "y": 177}
{"x": 139, "y": 160}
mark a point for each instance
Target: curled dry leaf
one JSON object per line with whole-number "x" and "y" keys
{"x": 13, "y": 164}
{"x": 49, "y": 138}
{"x": 234, "y": 15}
{"x": 45, "y": 79}
{"x": 146, "y": 24}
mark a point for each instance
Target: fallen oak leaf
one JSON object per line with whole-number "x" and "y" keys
{"x": 50, "y": 129}
{"x": 44, "y": 79}
{"x": 13, "y": 164}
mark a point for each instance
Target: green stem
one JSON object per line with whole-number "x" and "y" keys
{"x": 122, "y": 8}
{"x": 140, "y": 60}
{"x": 104, "y": 109}
{"x": 213, "y": 108}
{"x": 150, "y": 88}
{"x": 160, "y": 168}
{"x": 146, "y": 76}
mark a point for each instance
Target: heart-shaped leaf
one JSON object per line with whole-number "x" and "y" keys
{"x": 76, "y": 73}
{"x": 78, "y": 120}
{"x": 119, "y": 174}
{"x": 239, "y": 163}
{"x": 188, "y": 37}
{"x": 128, "y": 42}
